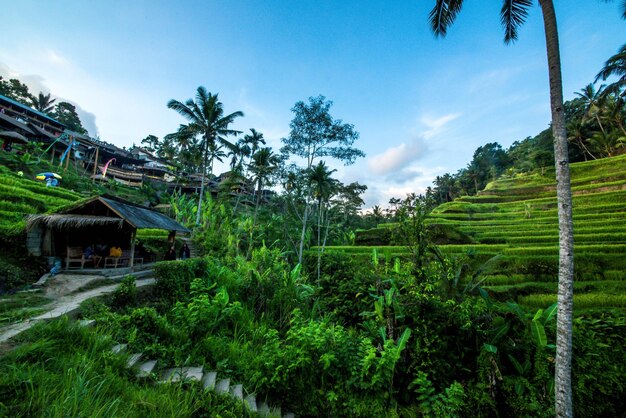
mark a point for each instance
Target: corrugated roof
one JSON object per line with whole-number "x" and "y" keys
{"x": 16, "y": 123}
{"x": 137, "y": 216}
{"x": 42, "y": 131}
{"x": 30, "y": 109}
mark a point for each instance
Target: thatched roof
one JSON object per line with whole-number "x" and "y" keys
{"x": 135, "y": 215}
{"x": 68, "y": 221}
{"x": 105, "y": 211}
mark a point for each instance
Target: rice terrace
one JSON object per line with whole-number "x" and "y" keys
{"x": 190, "y": 228}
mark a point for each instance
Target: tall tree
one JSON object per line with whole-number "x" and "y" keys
{"x": 315, "y": 134}
{"x": 254, "y": 140}
{"x": 16, "y": 90}
{"x": 263, "y": 165}
{"x": 151, "y": 143}
{"x": 513, "y": 14}
{"x": 323, "y": 186}
{"x": 593, "y": 101}
{"x": 65, "y": 113}
{"x": 43, "y": 103}
{"x": 207, "y": 120}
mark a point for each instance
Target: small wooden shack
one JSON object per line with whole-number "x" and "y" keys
{"x": 101, "y": 219}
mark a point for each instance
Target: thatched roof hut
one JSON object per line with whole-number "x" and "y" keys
{"x": 102, "y": 219}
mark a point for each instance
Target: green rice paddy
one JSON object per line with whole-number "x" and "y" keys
{"x": 516, "y": 218}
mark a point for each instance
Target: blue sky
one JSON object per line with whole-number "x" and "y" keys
{"x": 422, "y": 105}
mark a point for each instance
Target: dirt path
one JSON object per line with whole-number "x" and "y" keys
{"x": 64, "y": 305}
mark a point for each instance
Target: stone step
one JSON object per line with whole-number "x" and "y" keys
{"x": 289, "y": 415}
{"x": 250, "y": 401}
{"x": 208, "y": 381}
{"x": 222, "y": 386}
{"x": 237, "y": 392}
{"x": 133, "y": 360}
{"x": 146, "y": 368}
{"x": 119, "y": 348}
{"x": 263, "y": 409}
{"x": 179, "y": 374}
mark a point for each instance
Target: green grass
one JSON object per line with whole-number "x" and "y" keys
{"x": 581, "y": 301}
{"x": 20, "y": 306}
{"x": 61, "y": 370}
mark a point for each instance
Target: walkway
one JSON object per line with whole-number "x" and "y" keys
{"x": 64, "y": 305}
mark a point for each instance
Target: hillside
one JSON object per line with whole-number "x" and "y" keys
{"x": 512, "y": 227}
{"x": 21, "y": 196}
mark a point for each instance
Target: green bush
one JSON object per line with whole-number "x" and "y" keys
{"x": 126, "y": 293}
{"x": 173, "y": 278}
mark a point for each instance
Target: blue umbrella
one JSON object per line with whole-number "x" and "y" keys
{"x": 46, "y": 176}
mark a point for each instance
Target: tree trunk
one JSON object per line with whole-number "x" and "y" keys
{"x": 256, "y": 210}
{"x": 206, "y": 151}
{"x": 563, "y": 365}
{"x": 302, "y": 235}
{"x": 319, "y": 240}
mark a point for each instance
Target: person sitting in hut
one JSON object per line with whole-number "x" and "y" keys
{"x": 115, "y": 251}
{"x": 170, "y": 254}
{"x": 185, "y": 252}
{"x": 90, "y": 254}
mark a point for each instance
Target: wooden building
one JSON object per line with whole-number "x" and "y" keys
{"x": 99, "y": 220}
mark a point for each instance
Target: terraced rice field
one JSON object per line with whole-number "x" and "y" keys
{"x": 516, "y": 219}
{"x": 20, "y": 196}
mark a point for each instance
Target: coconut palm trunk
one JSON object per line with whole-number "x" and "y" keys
{"x": 563, "y": 374}
{"x": 204, "y": 160}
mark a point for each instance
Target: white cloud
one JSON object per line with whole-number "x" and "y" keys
{"x": 55, "y": 58}
{"x": 396, "y": 158}
{"x": 436, "y": 125}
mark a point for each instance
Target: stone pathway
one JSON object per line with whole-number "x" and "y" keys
{"x": 209, "y": 380}
{"x": 64, "y": 305}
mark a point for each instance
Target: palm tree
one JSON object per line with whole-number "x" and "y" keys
{"x": 43, "y": 103}
{"x": 512, "y": 15}
{"x": 593, "y": 101}
{"x": 323, "y": 187}
{"x": 253, "y": 140}
{"x": 264, "y": 163}
{"x": 206, "y": 119}
{"x": 577, "y": 133}
{"x": 615, "y": 67}
{"x": 237, "y": 153}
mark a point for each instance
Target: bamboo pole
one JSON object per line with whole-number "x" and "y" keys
{"x": 95, "y": 163}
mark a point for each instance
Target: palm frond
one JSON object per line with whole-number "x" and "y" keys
{"x": 182, "y": 109}
{"x": 614, "y": 66}
{"x": 513, "y": 15}
{"x": 443, "y": 15}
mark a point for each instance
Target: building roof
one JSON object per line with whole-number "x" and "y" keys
{"x": 29, "y": 109}
{"x": 107, "y": 210}
{"x": 16, "y": 123}
{"x": 41, "y": 131}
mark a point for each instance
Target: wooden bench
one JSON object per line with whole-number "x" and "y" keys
{"x": 75, "y": 255}
{"x": 122, "y": 261}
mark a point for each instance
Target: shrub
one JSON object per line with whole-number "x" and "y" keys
{"x": 173, "y": 278}
{"x": 126, "y": 293}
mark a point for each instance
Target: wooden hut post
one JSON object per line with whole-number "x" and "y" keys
{"x": 133, "y": 235}
{"x": 95, "y": 163}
